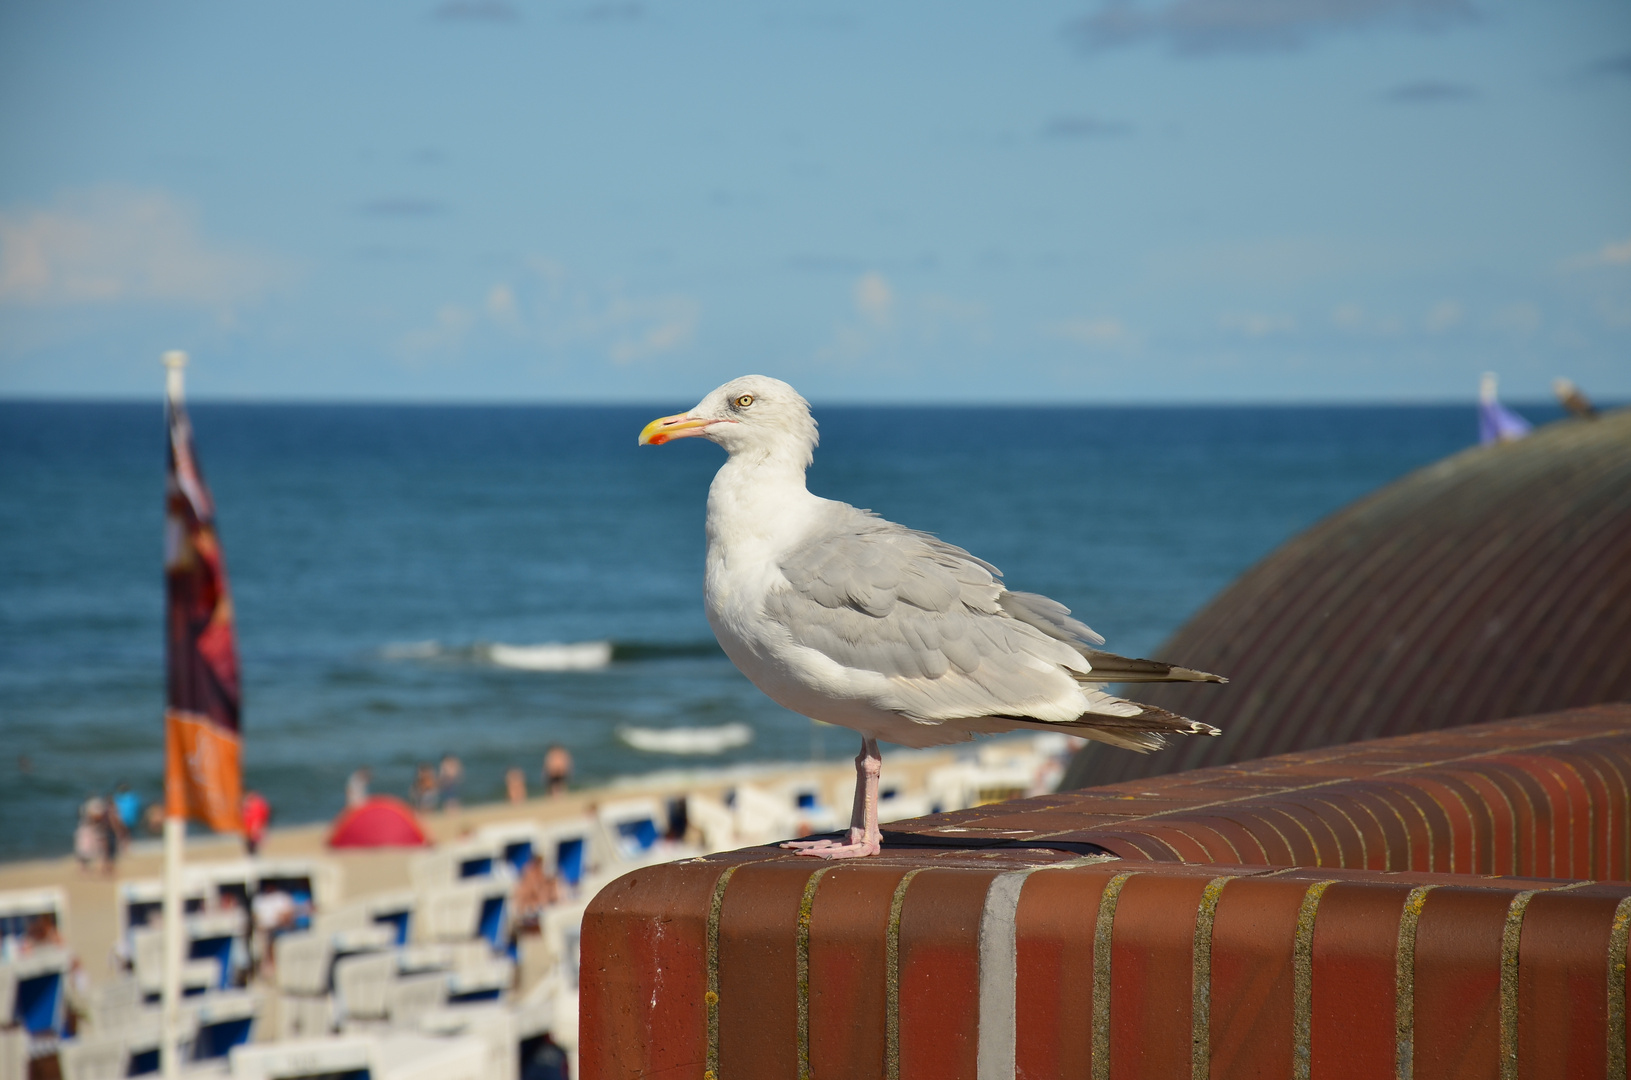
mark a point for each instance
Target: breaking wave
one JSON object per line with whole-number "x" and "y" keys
{"x": 552, "y": 656}
{"x": 687, "y": 740}
{"x": 412, "y": 650}
{"x": 547, "y": 656}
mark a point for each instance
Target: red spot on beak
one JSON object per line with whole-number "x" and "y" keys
{"x": 657, "y": 439}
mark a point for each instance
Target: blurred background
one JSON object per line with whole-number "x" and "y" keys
{"x": 1118, "y": 295}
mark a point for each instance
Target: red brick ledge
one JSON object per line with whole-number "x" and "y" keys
{"x": 1547, "y": 796}
{"x": 1020, "y": 960}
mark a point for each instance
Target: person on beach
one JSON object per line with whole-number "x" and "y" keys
{"x": 535, "y": 891}
{"x": 42, "y": 931}
{"x": 515, "y": 785}
{"x": 424, "y": 790}
{"x": 90, "y": 839}
{"x": 273, "y": 913}
{"x": 449, "y": 778}
{"x": 115, "y": 836}
{"x": 257, "y": 815}
{"x": 128, "y": 805}
{"x": 356, "y": 787}
{"x": 557, "y": 769}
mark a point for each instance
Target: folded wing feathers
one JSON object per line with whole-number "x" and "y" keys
{"x": 1049, "y": 616}
{"x": 953, "y": 643}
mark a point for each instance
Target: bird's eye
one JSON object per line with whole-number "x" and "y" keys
{"x": 744, "y": 401}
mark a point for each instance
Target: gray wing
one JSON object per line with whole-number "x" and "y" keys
{"x": 932, "y": 619}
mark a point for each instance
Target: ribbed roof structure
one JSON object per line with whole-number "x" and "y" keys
{"x": 1493, "y": 584}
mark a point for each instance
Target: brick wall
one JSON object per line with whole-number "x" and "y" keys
{"x": 1447, "y": 904}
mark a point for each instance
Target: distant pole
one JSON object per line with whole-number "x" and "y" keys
{"x": 175, "y": 838}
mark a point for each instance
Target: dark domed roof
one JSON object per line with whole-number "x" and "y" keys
{"x": 1496, "y": 583}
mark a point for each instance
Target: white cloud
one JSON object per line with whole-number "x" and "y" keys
{"x": 1442, "y": 316}
{"x": 1258, "y": 325}
{"x": 115, "y": 245}
{"x": 549, "y": 308}
{"x": 1612, "y": 253}
{"x": 1205, "y": 27}
{"x": 885, "y": 321}
{"x": 641, "y": 329}
{"x": 1095, "y": 333}
{"x": 1354, "y": 319}
{"x": 501, "y": 303}
{"x": 1615, "y": 254}
{"x": 874, "y": 298}
{"x": 1521, "y": 318}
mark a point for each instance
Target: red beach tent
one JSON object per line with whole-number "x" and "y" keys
{"x": 380, "y": 822}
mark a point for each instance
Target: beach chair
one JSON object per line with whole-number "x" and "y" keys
{"x": 567, "y": 848}
{"x": 363, "y": 1057}
{"x": 713, "y": 820}
{"x": 393, "y": 910}
{"x": 468, "y": 955}
{"x": 360, "y": 983}
{"x": 94, "y": 1057}
{"x": 227, "y": 885}
{"x": 633, "y": 826}
{"x": 407, "y": 997}
{"x": 469, "y": 909}
{"x": 762, "y": 816}
{"x": 218, "y": 1022}
{"x": 420, "y": 958}
{"x": 560, "y": 927}
{"x": 372, "y": 938}
{"x": 462, "y": 860}
{"x": 131, "y": 1049}
{"x": 302, "y": 1016}
{"x": 303, "y": 959}
{"x": 810, "y": 812}
{"x": 31, "y": 991}
{"x": 115, "y": 1003}
{"x": 538, "y": 1052}
{"x": 20, "y": 907}
{"x": 312, "y": 883}
{"x": 141, "y": 904}
{"x": 515, "y": 842}
{"x": 390, "y": 914}
{"x": 500, "y": 1028}
{"x": 489, "y": 981}
{"x": 198, "y": 974}
{"x": 210, "y": 936}
{"x": 13, "y": 1054}
{"x": 217, "y": 935}
{"x": 899, "y": 805}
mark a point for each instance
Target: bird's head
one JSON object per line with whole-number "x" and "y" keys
{"x": 754, "y": 414}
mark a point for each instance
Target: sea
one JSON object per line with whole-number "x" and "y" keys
{"x": 413, "y": 581}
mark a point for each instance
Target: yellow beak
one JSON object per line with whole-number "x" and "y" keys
{"x": 678, "y": 426}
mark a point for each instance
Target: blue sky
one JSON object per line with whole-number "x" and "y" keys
{"x": 1183, "y": 200}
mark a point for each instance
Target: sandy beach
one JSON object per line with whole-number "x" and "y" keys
{"x": 92, "y": 923}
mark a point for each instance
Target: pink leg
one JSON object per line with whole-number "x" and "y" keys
{"x": 864, "y": 836}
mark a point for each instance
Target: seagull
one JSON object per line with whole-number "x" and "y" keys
{"x": 847, "y": 618}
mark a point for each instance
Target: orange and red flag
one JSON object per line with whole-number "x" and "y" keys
{"x": 202, "y": 777}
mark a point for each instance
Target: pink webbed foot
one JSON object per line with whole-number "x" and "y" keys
{"x": 834, "y": 849}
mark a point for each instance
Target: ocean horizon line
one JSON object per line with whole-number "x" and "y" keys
{"x": 156, "y": 400}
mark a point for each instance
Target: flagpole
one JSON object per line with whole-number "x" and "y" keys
{"x": 175, "y": 839}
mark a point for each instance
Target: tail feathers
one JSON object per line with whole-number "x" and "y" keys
{"x": 1110, "y": 668}
{"x": 1143, "y": 731}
